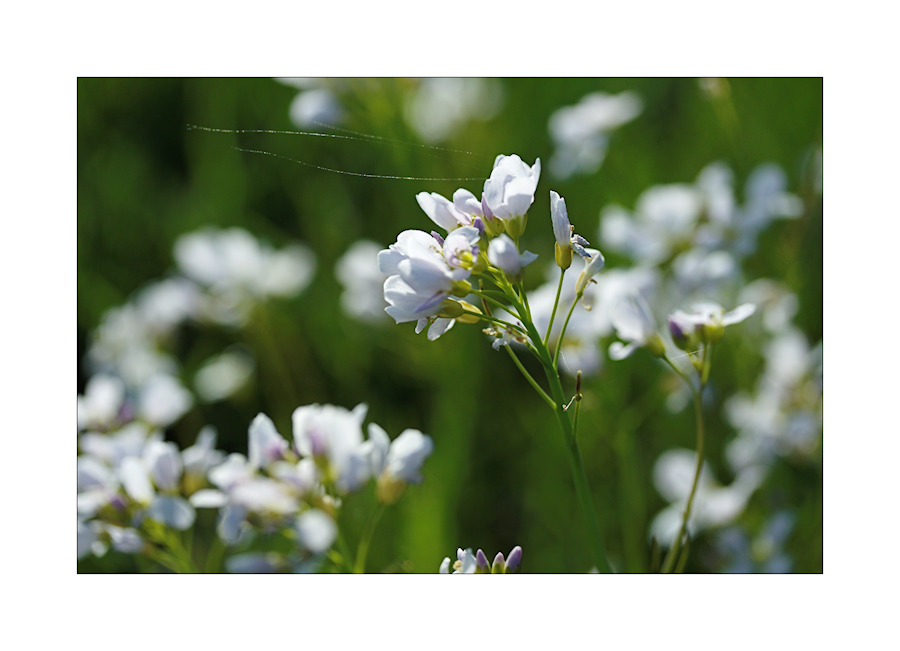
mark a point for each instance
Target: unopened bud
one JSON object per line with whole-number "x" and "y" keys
{"x": 471, "y": 314}
{"x": 461, "y": 288}
{"x": 450, "y": 309}
{"x": 563, "y": 255}
{"x": 516, "y": 226}
{"x": 389, "y": 489}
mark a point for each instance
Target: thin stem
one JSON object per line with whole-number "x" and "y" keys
{"x": 363, "y": 547}
{"x": 562, "y": 273}
{"x": 524, "y": 298}
{"x": 511, "y": 326}
{"x": 562, "y": 331}
{"x": 582, "y": 490}
{"x": 490, "y": 299}
{"x": 676, "y": 546}
{"x": 558, "y": 402}
{"x": 530, "y": 379}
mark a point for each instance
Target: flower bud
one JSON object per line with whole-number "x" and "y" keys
{"x": 516, "y": 226}
{"x": 389, "y": 489}
{"x": 461, "y": 288}
{"x": 471, "y": 314}
{"x": 684, "y": 330}
{"x": 563, "y": 255}
{"x": 655, "y": 346}
{"x": 514, "y": 560}
{"x": 451, "y": 309}
{"x": 482, "y": 565}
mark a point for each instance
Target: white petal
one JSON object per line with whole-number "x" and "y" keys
{"x": 316, "y": 530}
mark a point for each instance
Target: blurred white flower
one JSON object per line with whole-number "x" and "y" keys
{"x": 265, "y": 444}
{"x": 664, "y": 219}
{"x": 315, "y": 106}
{"x": 101, "y": 403}
{"x": 439, "y": 107}
{"x": 634, "y": 324}
{"x": 784, "y": 415}
{"x": 580, "y": 132}
{"x": 357, "y": 270}
{"x": 334, "y": 435}
{"x": 714, "y": 505}
{"x": 237, "y": 270}
{"x": 162, "y": 400}
{"x": 125, "y": 345}
{"x": 396, "y": 463}
{"x": 224, "y": 374}
{"x": 316, "y": 530}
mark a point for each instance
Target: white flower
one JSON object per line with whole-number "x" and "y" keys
{"x": 714, "y": 505}
{"x": 99, "y": 407}
{"x": 264, "y": 496}
{"x": 164, "y": 462}
{"x": 224, "y": 374}
{"x": 503, "y": 254}
{"x": 509, "y": 191}
{"x": 442, "y": 212}
{"x": 357, "y": 270}
{"x": 160, "y": 465}
{"x": 335, "y": 435}
{"x": 396, "y": 463}
{"x": 265, "y": 444}
{"x": 595, "y": 263}
{"x": 634, "y": 324}
{"x": 314, "y": 106}
{"x": 423, "y": 271}
{"x": 465, "y": 563}
{"x": 566, "y": 240}
{"x": 237, "y": 270}
{"x": 163, "y": 399}
{"x": 665, "y": 217}
{"x": 440, "y": 106}
{"x": 706, "y": 323}
{"x": 316, "y": 530}
{"x": 580, "y": 131}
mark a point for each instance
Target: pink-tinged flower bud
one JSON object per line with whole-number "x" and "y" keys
{"x": 514, "y": 559}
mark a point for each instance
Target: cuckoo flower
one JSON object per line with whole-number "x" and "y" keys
{"x": 424, "y": 271}
{"x": 396, "y": 463}
{"x": 566, "y": 240}
{"x": 503, "y": 254}
{"x": 509, "y": 192}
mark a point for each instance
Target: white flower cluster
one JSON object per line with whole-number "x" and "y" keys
{"x": 224, "y": 273}
{"x": 131, "y": 476}
{"x": 478, "y": 563}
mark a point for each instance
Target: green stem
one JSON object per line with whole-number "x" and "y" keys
{"x": 582, "y": 491}
{"x": 562, "y": 331}
{"x": 562, "y": 273}
{"x": 363, "y": 548}
{"x": 530, "y": 379}
{"x": 490, "y": 299}
{"x": 676, "y": 546}
{"x": 214, "y": 557}
{"x": 558, "y": 404}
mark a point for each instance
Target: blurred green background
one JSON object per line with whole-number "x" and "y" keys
{"x": 499, "y": 475}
